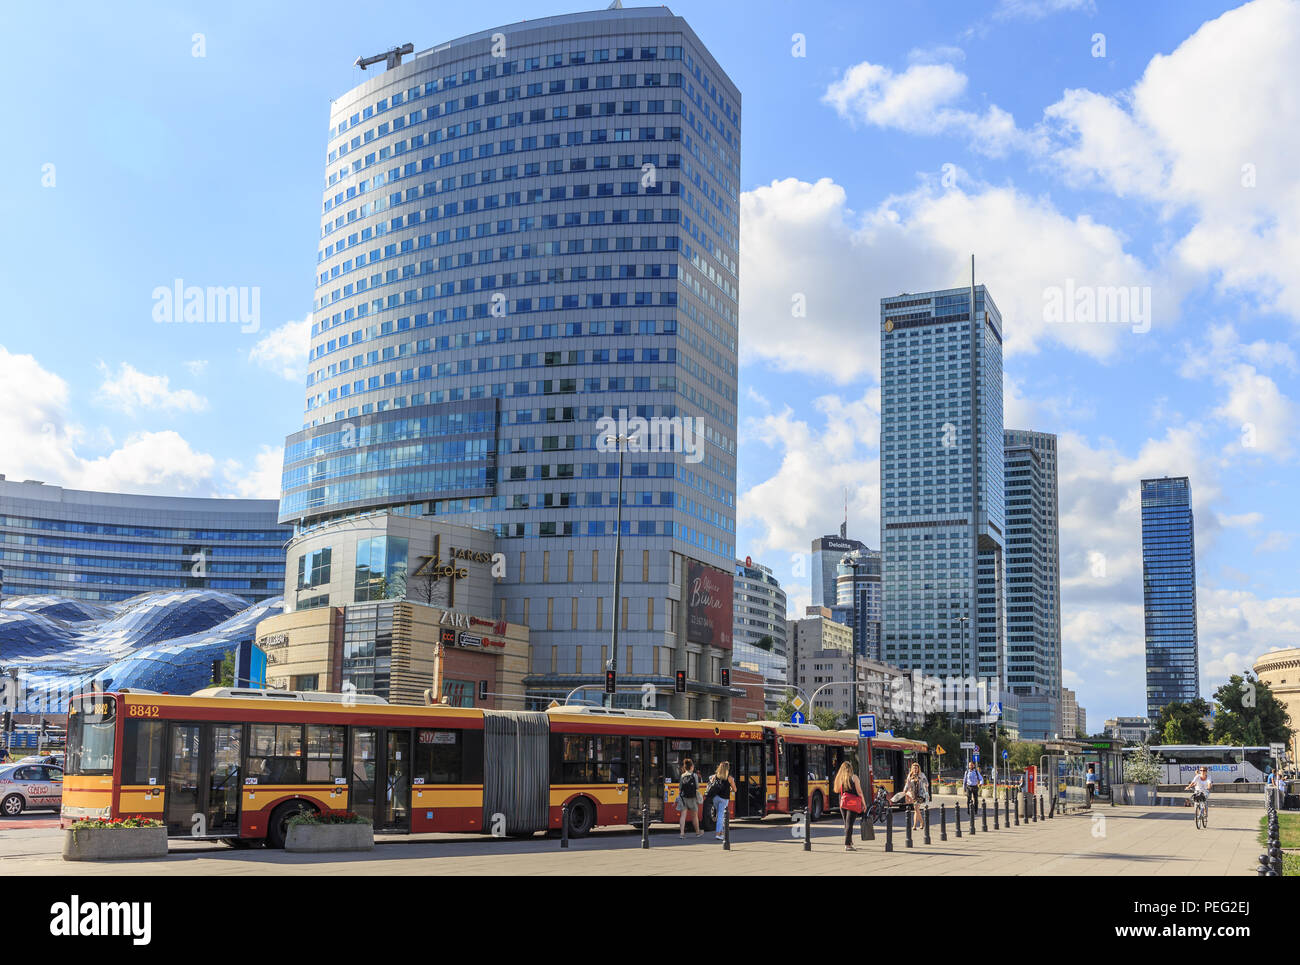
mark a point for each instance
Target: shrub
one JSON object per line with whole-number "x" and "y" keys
{"x": 1143, "y": 767}
{"x": 334, "y": 817}
{"x": 135, "y": 821}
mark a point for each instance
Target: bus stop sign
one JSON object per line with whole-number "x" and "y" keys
{"x": 866, "y": 725}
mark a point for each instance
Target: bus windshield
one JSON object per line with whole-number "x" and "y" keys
{"x": 90, "y": 734}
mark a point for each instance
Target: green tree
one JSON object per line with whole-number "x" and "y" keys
{"x": 228, "y": 669}
{"x": 1022, "y": 754}
{"x": 1249, "y": 714}
{"x": 1183, "y": 722}
{"x": 825, "y": 719}
{"x": 1143, "y": 767}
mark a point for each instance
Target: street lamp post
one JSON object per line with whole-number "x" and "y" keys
{"x": 619, "y": 441}
{"x": 961, "y": 714}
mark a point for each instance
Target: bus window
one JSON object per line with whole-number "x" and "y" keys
{"x": 439, "y": 757}
{"x": 275, "y": 754}
{"x": 678, "y": 751}
{"x": 142, "y": 752}
{"x": 607, "y": 764}
{"x": 90, "y": 735}
{"x": 324, "y": 754}
{"x": 817, "y": 762}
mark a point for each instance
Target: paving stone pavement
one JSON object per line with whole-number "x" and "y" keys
{"x": 1107, "y": 842}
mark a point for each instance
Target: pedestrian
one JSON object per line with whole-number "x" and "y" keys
{"x": 688, "y": 797}
{"x": 852, "y": 801}
{"x": 972, "y": 780}
{"x": 719, "y": 792}
{"x": 1090, "y": 782}
{"x": 915, "y": 792}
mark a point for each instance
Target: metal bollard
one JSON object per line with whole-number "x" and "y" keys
{"x": 984, "y": 816}
{"x": 995, "y": 810}
{"x": 910, "y": 844}
{"x": 1051, "y": 806}
{"x": 1016, "y": 809}
{"x": 807, "y": 830}
{"x": 564, "y": 825}
{"x": 726, "y": 828}
{"x": 972, "y": 818}
{"x": 927, "y": 824}
{"x": 1006, "y": 810}
{"x": 868, "y": 829}
{"x": 957, "y": 821}
{"x": 943, "y": 822}
{"x": 1038, "y": 808}
{"x": 889, "y": 829}
{"x": 645, "y": 825}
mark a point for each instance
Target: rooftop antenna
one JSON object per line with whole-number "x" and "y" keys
{"x": 393, "y": 57}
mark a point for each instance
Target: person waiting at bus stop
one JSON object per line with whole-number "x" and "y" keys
{"x": 852, "y": 801}
{"x": 719, "y": 791}
{"x": 972, "y": 780}
{"x": 915, "y": 792}
{"x": 1090, "y": 782}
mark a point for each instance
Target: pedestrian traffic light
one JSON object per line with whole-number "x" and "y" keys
{"x": 8, "y": 722}
{"x": 679, "y": 683}
{"x": 726, "y": 676}
{"x": 609, "y": 682}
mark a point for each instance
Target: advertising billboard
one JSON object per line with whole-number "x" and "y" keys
{"x": 708, "y": 602}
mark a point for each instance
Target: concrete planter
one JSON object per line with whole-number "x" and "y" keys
{"x": 114, "y": 844}
{"x": 1135, "y": 794}
{"x": 315, "y": 838}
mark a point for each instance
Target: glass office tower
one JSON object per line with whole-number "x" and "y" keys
{"x": 941, "y": 482}
{"x": 524, "y": 232}
{"x": 1033, "y": 582}
{"x": 1169, "y": 592}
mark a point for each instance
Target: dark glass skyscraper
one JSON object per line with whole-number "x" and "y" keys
{"x": 1169, "y": 592}
{"x": 525, "y": 233}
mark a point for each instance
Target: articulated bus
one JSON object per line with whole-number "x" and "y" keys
{"x": 238, "y": 764}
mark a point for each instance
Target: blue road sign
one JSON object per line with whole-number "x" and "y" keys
{"x": 976, "y": 756}
{"x": 866, "y": 725}
{"x": 796, "y": 718}
{"x": 1004, "y": 754}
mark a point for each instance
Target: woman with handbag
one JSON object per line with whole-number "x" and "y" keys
{"x": 852, "y": 800}
{"x": 915, "y": 791}
{"x": 719, "y": 792}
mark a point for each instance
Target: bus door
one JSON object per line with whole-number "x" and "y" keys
{"x": 364, "y": 763}
{"x": 645, "y": 779}
{"x": 203, "y": 779}
{"x": 796, "y": 772}
{"x": 394, "y": 781}
{"x": 836, "y": 755}
{"x": 751, "y": 780}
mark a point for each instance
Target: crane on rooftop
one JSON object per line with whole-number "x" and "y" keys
{"x": 393, "y": 57}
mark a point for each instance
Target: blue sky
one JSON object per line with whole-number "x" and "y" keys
{"x": 904, "y": 138}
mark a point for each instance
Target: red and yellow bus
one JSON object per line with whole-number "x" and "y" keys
{"x": 238, "y": 764}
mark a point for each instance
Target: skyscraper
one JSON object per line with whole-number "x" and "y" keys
{"x": 1169, "y": 592}
{"x": 827, "y": 551}
{"x": 858, "y": 588}
{"x": 759, "y": 617}
{"x": 941, "y": 482}
{"x": 529, "y": 244}
{"x": 1033, "y": 582}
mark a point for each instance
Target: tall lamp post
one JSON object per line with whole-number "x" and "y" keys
{"x": 621, "y": 442}
{"x": 964, "y": 621}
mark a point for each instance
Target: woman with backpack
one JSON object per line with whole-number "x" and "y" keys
{"x": 719, "y": 792}
{"x": 688, "y": 797}
{"x": 915, "y": 792}
{"x": 852, "y": 801}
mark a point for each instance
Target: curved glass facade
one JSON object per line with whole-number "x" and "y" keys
{"x": 524, "y": 232}
{"x": 109, "y": 547}
{"x": 159, "y": 641}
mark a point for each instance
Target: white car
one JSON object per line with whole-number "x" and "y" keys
{"x": 30, "y": 786}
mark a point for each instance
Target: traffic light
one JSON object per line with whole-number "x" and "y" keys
{"x": 993, "y": 730}
{"x": 610, "y": 687}
{"x": 482, "y": 690}
{"x": 45, "y": 726}
{"x": 679, "y": 682}
{"x": 8, "y": 722}
{"x": 726, "y": 676}
{"x": 216, "y": 671}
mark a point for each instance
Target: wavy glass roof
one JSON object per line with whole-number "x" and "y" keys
{"x": 162, "y": 641}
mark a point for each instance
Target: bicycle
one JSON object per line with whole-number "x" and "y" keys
{"x": 878, "y": 812}
{"x": 1202, "y": 812}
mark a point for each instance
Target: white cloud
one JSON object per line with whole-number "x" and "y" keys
{"x": 1038, "y": 9}
{"x": 284, "y": 350}
{"x": 1212, "y": 129}
{"x": 197, "y": 367}
{"x": 918, "y": 101}
{"x": 802, "y": 247}
{"x": 263, "y": 480}
{"x": 131, "y": 390}
{"x": 806, "y": 493}
{"x": 162, "y": 463}
{"x": 1247, "y": 520}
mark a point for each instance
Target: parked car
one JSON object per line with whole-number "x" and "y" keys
{"x": 30, "y": 786}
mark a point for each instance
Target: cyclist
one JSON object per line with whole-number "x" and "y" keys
{"x": 972, "y": 781}
{"x": 1200, "y": 787}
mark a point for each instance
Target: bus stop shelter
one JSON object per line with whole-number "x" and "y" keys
{"x": 1066, "y": 763}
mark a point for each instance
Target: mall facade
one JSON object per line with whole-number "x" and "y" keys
{"x": 526, "y": 299}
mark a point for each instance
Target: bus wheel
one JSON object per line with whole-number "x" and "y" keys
{"x": 278, "y": 830}
{"x": 12, "y": 806}
{"x": 239, "y": 844}
{"x": 815, "y": 809}
{"x": 582, "y": 817}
